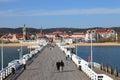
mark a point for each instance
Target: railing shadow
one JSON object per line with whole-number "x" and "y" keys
{"x": 65, "y": 71}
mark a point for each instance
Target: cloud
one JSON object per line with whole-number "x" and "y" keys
{"x": 60, "y": 12}
{"x": 7, "y": 13}
{"x": 6, "y": 1}
{"x": 83, "y": 11}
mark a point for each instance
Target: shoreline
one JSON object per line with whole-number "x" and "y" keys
{"x": 78, "y": 44}
{"x": 95, "y": 44}
{"x": 19, "y": 44}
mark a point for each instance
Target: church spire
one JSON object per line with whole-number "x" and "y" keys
{"x": 24, "y": 32}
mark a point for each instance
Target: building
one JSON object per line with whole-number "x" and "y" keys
{"x": 56, "y": 35}
{"x": 100, "y": 34}
{"x": 78, "y": 35}
{"x": 24, "y": 33}
{"x": 68, "y": 40}
{"x": 66, "y": 37}
{"x": 12, "y": 38}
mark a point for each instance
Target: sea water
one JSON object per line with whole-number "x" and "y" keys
{"x": 11, "y": 53}
{"x": 108, "y": 55}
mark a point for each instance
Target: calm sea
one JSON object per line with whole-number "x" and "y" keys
{"x": 11, "y": 53}
{"x": 109, "y": 55}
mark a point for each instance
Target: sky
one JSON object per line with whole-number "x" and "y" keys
{"x": 59, "y": 13}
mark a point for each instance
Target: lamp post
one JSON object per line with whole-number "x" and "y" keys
{"x": 91, "y": 52}
{"x": 2, "y": 53}
{"x": 21, "y": 49}
{"x": 76, "y": 50}
{"x": 19, "y": 53}
{"x": 76, "y": 47}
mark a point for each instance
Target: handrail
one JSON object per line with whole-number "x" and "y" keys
{"x": 8, "y": 70}
{"x": 84, "y": 66}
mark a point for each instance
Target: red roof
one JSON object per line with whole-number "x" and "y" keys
{"x": 67, "y": 37}
{"x": 10, "y": 37}
{"x": 40, "y": 37}
{"x": 103, "y": 30}
{"x": 18, "y": 37}
{"x": 57, "y": 30}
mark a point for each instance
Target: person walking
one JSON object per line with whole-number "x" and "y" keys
{"x": 24, "y": 63}
{"x": 61, "y": 66}
{"x": 58, "y": 66}
{"x": 13, "y": 70}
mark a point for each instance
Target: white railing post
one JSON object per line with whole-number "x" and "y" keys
{"x": 1, "y": 75}
{"x": 84, "y": 66}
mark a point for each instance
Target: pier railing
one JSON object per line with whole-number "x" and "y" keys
{"x": 8, "y": 70}
{"x": 33, "y": 41}
{"x": 5, "y": 72}
{"x": 84, "y": 66}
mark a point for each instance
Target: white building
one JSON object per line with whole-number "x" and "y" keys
{"x": 68, "y": 40}
{"x": 12, "y": 38}
{"x": 100, "y": 34}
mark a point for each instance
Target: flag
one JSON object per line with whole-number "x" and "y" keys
{"x": 89, "y": 58}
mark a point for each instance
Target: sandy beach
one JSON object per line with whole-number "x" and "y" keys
{"x": 78, "y": 44}
{"x": 18, "y": 44}
{"x": 95, "y": 44}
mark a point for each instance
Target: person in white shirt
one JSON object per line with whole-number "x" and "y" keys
{"x": 24, "y": 63}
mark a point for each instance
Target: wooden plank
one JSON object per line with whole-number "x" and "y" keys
{"x": 44, "y": 67}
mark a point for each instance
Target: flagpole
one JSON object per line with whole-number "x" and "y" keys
{"x": 91, "y": 52}
{"x": 76, "y": 51}
{"x": 2, "y": 53}
{"x": 21, "y": 50}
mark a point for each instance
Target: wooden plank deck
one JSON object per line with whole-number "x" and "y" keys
{"x": 44, "y": 67}
{"x": 103, "y": 72}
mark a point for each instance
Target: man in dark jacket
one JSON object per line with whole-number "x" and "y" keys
{"x": 61, "y": 66}
{"x": 58, "y": 65}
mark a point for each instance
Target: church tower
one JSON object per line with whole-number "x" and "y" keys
{"x": 24, "y": 32}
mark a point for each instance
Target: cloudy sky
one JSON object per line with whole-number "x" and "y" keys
{"x": 59, "y": 13}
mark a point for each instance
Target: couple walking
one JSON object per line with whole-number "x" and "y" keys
{"x": 60, "y": 66}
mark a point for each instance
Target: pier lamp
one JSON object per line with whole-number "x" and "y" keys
{"x": 21, "y": 49}
{"x": 19, "y": 53}
{"x": 91, "y": 52}
{"x": 2, "y": 53}
{"x": 76, "y": 46}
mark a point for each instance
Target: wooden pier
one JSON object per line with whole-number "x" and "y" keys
{"x": 103, "y": 72}
{"x": 43, "y": 67}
